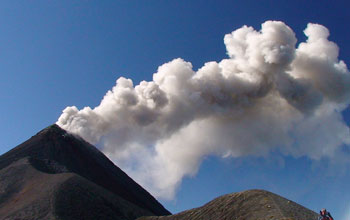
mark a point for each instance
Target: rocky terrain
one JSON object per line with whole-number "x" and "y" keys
{"x": 247, "y": 205}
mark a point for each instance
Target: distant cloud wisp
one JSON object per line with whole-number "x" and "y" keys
{"x": 269, "y": 94}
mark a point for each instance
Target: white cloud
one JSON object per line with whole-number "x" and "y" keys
{"x": 268, "y": 95}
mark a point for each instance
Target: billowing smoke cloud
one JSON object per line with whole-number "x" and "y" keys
{"x": 268, "y": 95}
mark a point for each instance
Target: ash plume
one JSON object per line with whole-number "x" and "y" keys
{"x": 270, "y": 94}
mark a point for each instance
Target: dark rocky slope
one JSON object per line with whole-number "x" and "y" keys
{"x": 55, "y": 175}
{"x": 247, "y": 205}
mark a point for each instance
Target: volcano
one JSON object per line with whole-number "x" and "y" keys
{"x": 57, "y": 175}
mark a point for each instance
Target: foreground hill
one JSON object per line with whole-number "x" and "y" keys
{"x": 247, "y": 205}
{"x": 55, "y": 175}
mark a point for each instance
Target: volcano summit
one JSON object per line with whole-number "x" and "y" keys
{"x": 56, "y": 175}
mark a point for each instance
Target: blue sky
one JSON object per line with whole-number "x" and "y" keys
{"x": 55, "y": 54}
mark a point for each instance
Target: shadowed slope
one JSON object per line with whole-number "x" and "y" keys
{"x": 31, "y": 194}
{"x": 27, "y": 193}
{"x": 57, "y": 154}
{"x": 247, "y": 205}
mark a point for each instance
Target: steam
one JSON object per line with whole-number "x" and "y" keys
{"x": 268, "y": 95}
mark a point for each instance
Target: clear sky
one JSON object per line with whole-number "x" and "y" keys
{"x": 55, "y": 54}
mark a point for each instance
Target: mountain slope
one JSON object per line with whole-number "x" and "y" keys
{"x": 44, "y": 174}
{"x": 247, "y": 205}
{"x": 31, "y": 194}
